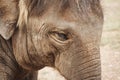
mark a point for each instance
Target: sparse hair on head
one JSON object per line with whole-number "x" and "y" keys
{"x": 39, "y": 7}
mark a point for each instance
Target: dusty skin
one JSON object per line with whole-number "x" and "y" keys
{"x": 62, "y": 34}
{"x": 110, "y": 45}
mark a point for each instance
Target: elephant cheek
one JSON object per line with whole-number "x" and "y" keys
{"x": 80, "y": 65}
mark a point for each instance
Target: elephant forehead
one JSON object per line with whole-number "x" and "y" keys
{"x": 68, "y": 15}
{"x": 52, "y": 21}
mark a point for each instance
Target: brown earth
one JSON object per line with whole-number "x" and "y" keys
{"x": 110, "y": 44}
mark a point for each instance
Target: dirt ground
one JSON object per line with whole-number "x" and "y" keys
{"x": 110, "y": 45}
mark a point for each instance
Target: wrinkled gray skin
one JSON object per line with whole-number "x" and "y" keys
{"x": 64, "y": 34}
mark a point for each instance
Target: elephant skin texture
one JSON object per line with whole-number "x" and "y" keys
{"x": 63, "y": 34}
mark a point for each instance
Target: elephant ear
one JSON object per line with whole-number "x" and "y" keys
{"x": 8, "y": 17}
{"x": 6, "y": 29}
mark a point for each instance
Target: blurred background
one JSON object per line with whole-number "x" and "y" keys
{"x": 110, "y": 45}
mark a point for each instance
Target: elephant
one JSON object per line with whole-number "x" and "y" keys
{"x": 63, "y": 34}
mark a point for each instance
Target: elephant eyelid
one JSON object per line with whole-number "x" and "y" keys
{"x": 60, "y": 35}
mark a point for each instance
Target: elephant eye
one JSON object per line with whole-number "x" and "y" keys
{"x": 60, "y": 35}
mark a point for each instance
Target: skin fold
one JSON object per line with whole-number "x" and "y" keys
{"x": 63, "y": 34}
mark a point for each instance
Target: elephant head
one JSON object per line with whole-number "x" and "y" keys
{"x": 64, "y": 34}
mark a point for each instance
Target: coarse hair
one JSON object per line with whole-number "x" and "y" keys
{"x": 81, "y": 8}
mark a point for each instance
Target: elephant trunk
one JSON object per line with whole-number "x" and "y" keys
{"x": 80, "y": 65}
